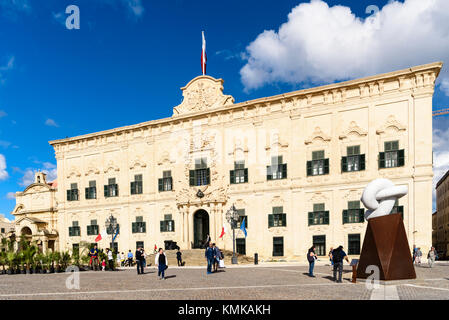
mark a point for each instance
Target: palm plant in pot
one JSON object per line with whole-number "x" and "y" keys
{"x": 11, "y": 258}
{"x": 65, "y": 260}
{"x": 49, "y": 261}
{"x": 56, "y": 259}
{"x": 3, "y": 261}
{"x": 28, "y": 254}
{"x": 39, "y": 262}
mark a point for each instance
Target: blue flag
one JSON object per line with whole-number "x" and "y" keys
{"x": 116, "y": 233}
{"x": 243, "y": 227}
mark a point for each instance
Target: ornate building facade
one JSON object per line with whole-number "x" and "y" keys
{"x": 294, "y": 165}
{"x": 441, "y": 241}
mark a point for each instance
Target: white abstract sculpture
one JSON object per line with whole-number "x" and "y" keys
{"x": 380, "y": 196}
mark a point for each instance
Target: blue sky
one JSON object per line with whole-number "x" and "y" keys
{"x": 129, "y": 58}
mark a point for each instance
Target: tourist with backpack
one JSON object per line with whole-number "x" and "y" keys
{"x": 337, "y": 257}
{"x": 311, "y": 257}
{"x": 431, "y": 257}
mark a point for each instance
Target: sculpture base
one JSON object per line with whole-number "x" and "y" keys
{"x": 386, "y": 247}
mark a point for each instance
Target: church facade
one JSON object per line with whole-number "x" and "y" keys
{"x": 293, "y": 165}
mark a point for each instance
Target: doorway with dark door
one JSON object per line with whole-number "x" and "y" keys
{"x": 200, "y": 229}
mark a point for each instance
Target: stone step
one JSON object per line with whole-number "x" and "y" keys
{"x": 195, "y": 257}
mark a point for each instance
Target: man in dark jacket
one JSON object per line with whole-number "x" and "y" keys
{"x": 210, "y": 256}
{"x": 139, "y": 260}
{"x": 311, "y": 257}
{"x": 337, "y": 257}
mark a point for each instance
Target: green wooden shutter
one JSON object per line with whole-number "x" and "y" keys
{"x": 208, "y": 176}
{"x": 162, "y": 226}
{"x": 68, "y": 195}
{"x": 362, "y": 215}
{"x": 362, "y": 162}
{"x": 401, "y": 158}
{"x": 86, "y": 193}
{"x": 284, "y": 219}
{"x": 309, "y": 168}
{"x": 133, "y": 188}
{"x": 345, "y": 216}
{"x": 269, "y": 174}
{"x": 232, "y": 176}
{"x": 144, "y": 227}
{"x": 310, "y": 218}
{"x": 326, "y": 217}
{"x": 326, "y": 166}
{"x": 106, "y": 193}
{"x": 381, "y": 159}
{"x": 134, "y": 229}
{"x": 88, "y": 230}
{"x": 270, "y": 221}
{"x": 192, "y": 177}
{"x": 344, "y": 164}
{"x": 284, "y": 171}
{"x": 245, "y": 173}
{"x": 70, "y": 232}
{"x": 160, "y": 184}
{"x": 116, "y": 190}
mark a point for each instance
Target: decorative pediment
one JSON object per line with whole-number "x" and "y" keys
{"x": 353, "y": 129}
{"x": 73, "y": 172}
{"x": 164, "y": 158}
{"x": 391, "y": 123}
{"x": 317, "y": 197}
{"x": 277, "y": 201}
{"x": 137, "y": 162}
{"x": 317, "y": 134}
{"x": 201, "y": 94}
{"x": 276, "y": 142}
{"x": 111, "y": 167}
{"x": 92, "y": 170}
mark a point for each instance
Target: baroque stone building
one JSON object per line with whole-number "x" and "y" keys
{"x": 441, "y": 228}
{"x": 294, "y": 165}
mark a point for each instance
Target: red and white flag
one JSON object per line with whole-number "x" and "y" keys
{"x": 203, "y": 56}
{"x": 101, "y": 235}
{"x": 223, "y": 231}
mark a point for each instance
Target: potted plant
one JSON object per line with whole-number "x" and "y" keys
{"x": 65, "y": 260}
{"x": 11, "y": 259}
{"x": 56, "y": 259}
{"x": 39, "y": 261}
{"x": 48, "y": 261}
{"x": 28, "y": 254}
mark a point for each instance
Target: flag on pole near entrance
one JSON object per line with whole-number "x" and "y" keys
{"x": 101, "y": 235}
{"x": 223, "y": 231}
{"x": 203, "y": 56}
{"x": 243, "y": 227}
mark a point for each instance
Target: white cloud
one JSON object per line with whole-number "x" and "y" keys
{"x": 3, "y": 114}
{"x": 135, "y": 7}
{"x": 440, "y": 155}
{"x": 321, "y": 44}
{"x": 28, "y": 175}
{"x": 10, "y": 8}
{"x": 11, "y": 195}
{"x": 60, "y": 17}
{"x": 51, "y": 123}
{"x": 3, "y": 173}
{"x": 3, "y": 68}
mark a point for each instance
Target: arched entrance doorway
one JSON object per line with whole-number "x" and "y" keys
{"x": 200, "y": 228}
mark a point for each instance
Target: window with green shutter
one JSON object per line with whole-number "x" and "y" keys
{"x": 166, "y": 182}
{"x": 391, "y": 157}
{"x": 168, "y": 224}
{"x": 93, "y": 228}
{"x": 319, "y": 215}
{"x": 73, "y": 193}
{"x": 277, "y": 170}
{"x": 354, "y": 214}
{"x": 111, "y": 189}
{"x": 201, "y": 175}
{"x": 242, "y": 215}
{"x": 278, "y": 246}
{"x": 354, "y": 161}
{"x": 319, "y": 242}
{"x": 139, "y": 226}
{"x": 91, "y": 191}
{"x": 278, "y": 218}
{"x": 74, "y": 230}
{"x": 137, "y": 185}
{"x": 354, "y": 244}
{"x": 239, "y": 174}
{"x": 319, "y": 165}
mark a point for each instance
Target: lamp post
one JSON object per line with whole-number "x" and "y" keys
{"x": 232, "y": 217}
{"x": 111, "y": 224}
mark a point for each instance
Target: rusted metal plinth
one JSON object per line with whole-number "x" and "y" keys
{"x": 386, "y": 247}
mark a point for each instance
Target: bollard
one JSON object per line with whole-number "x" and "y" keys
{"x": 256, "y": 258}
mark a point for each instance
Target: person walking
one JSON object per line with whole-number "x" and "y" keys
{"x": 217, "y": 254}
{"x": 139, "y": 261}
{"x": 414, "y": 254}
{"x": 110, "y": 259}
{"x": 93, "y": 253}
{"x": 179, "y": 257}
{"x": 210, "y": 256}
{"x": 311, "y": 257}
{"x": 118, "y": 259}
{"x": 161, "y": 262}
{"x": 431, "y": 257}
{"x": 418, "y": 256}
{"x": 130, "y": 258}
{"x": 330, "y": 258}
{"x": 144, "y": 255}
{"x": 103, "y": 265}
{"x": 337, "y": 257}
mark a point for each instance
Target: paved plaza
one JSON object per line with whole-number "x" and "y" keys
{"x": 238, "y": 283}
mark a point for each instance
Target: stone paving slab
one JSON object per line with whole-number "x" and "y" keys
{"x": 256, "y": 283}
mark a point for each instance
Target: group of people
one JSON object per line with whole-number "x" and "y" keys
{"x": 214, "y": 258}
{"x": 94, "y": 262}
{"x": 432, "y": 255}
{"x": 336, "y": 257}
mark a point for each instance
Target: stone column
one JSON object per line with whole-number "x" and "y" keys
{"x": 44, "y": 246}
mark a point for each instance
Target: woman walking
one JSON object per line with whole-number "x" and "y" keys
{"x": 330, "y": 258}
{"x": 311, "y": 257}
{"x": 161, "y": 262}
